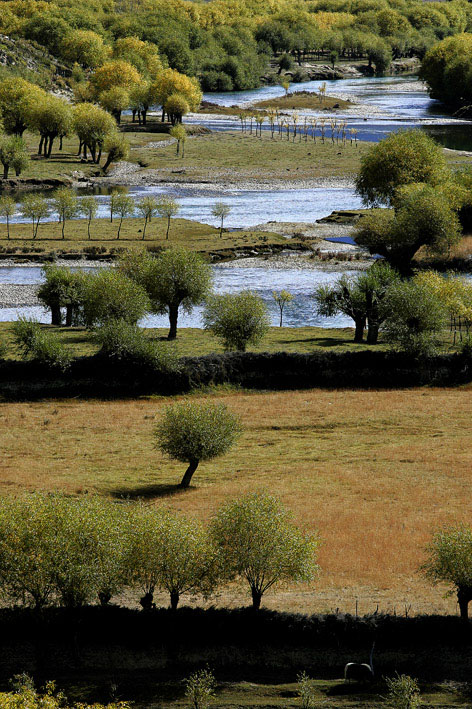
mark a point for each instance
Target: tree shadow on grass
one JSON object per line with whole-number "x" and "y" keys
{"x": 148, "y": 492}
{"x": 321, "y": 341}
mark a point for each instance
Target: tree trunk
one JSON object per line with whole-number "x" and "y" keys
{"x": 60, "y": 142}
{"x": 119, "y": 228}
{"x": 193, "y": 465}
{"x": 40, "y": 146}
{"x": 144, "y": 228}
{"x": 173, "y": 317}
{"x": 63, "y": 227}
{"x": 372, "y": 334}
{"x": 107, "y": 164}
{"x": 104, "y": 597}
{"x": 8, "y": 227}
{"x": 5, "y": 171}
{"x": 168, "y": 227}
{"x": 144, "y": 115}
{"x": 56, "y": 315}
{"x": 69, "y": 313}
{"x": 464, "y": 595}
{"x": 174, "y": 600}
{"x": 134, "y": 112}
{"x": 359, "y": 333}
{"x": 88, "y": 229}
{"x": 81, "y": 145}
{"x": 256, "y": 599}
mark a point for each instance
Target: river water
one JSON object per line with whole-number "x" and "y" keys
{"x": 386, "y": 104}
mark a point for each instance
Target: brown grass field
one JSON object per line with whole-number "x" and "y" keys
{"x": 374, "y": 471}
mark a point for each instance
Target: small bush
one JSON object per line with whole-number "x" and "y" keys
{"x": 238, "y": 319}
{"x": 125, "y": 342}
{"x": 200, "y": 689}
{"x": 305, "y": 691}
{"x": 403, "y": 692}
{"x": 36, "y": 343}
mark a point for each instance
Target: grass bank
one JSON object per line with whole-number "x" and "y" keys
{"x": 103, "y": 237}
{"x": 306, "y": 100}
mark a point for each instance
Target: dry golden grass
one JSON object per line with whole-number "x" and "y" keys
{"x": 374, "y": 471}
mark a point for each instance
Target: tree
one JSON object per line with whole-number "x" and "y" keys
{"x": 147, "y": 207}
{"x": 35, "y": 207}
{"x": 17, "y": 99}
{"x": 51, "y": 117}
{"x": 449, "y": 560}
{"x": 176, "y": 106}
{"x": 180, "y": 135}
{"x": 285, "y": 63}
{"x": 167, "y": 207}
{"x": 65, "y": 203}
{"x": 220, "y": 211}
{"x": 282, "y": 299}
{"x": 446, "y": 68}
{"x": 415, "y": 317}
{"x": 62, "y": 288}
{"x": 110, "y": 295}
{"x": 175, "y": 279}
{"x": 7, "y": 210}
{"x": 84, "y": 47}
{"x": 112, "y": 74}
{"x": 259, "y": 542}
{"x": 170, "y": 81}
{"x": 239, "y": 319}
{"x": 124, "y": 207}
{"x": 117, "y": 148}
{"x": 122, "y": 341}
{"x": 142, "y": 55}
{"x": 403, "y": 692}
{"x": 424, "y": 216}
{"x": 93, "y": 126}
{"x": 170, "y": 553}
{"x": 192, "y": 433}
{"x": 200, "y": 688}
{"x": 400, "y": 159}
{"x": 13, "y": 154}
{"x": 88, "y": 206}
{"x": 115, "y": 100}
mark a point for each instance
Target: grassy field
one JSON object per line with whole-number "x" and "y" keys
{"x": 374, "y": 471}
{"x": 194, "y": 341}
{"x": 304, "y": 100}
{"x": 183, "y": 232}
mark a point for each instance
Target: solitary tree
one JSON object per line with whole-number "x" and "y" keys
{"x": 238, "y": 319}
{"x": 449, "y": 560}
{"x": 192, "y": 432}
{"x": 7, "y": 210}
{"x": 220, "y": 211}
{"x": 65, "y": 204}
{"x": 35, "y": 207}
{"x": 88, "y": 206}
{"x": 259, "y": 542}
{"x": 282, "y": 299}
{"x": 180, "y": 134}
{"x": 400, "y": 159}
{"x": 147, "y": 208}
{"x": 167, "y": 207}
{"x": 173, "y": 280}
{"x": 123, "y": 206}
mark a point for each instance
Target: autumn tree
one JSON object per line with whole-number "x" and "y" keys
{"x": 13, "y": 155}
{"x": 176, "y": 106}
{"x": 115, "y": 100}
{"x": 84, "y": 47}
{"x": 115, "y": 73}
{"x": 51, "y": 117}
{"x": 259, "y": 543}
{"x": 180, "y": 135}
{"x": 169, "y": 82}
{"x": 117, "y": 148}
{"x": 93, "y": 126}
{"x": 193, "y": 432}
{"x": 17, "y": 99}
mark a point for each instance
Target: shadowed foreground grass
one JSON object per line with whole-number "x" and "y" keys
{"x": 374, "y": 471}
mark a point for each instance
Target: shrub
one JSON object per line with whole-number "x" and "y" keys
{"x": 125, "y": 342}
{"x": 110, "y": 295}
{"x": 403, "y": 692}
{"x": 305, "y": 691}
{"x": 238, "y": 319}
{"x": 194, "y": 432}
{"x": 39, "y": 344}
{"x": 200, "y": 688}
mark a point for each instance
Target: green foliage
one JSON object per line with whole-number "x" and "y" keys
{"x": 200, "y": 689}
{"x": 147, "y": 208}
{"x": 7, "y": 210}
{"x": 220, "y": 211}
{"x": 192, "y": 433}
{"x": 24, "y": 695}
{"x": 449, "y": 557}
{"x": 117, "y": 148}
{"x": 175, "y": 279}
{"x": 65, "y": 203}
{"x": 282, "y": 298}
{"x": 415, "y": 318}
{"x": 88, "y": 207}
{"x": 35, "y": 207}
{"x": 110, "y": 295}
{"x": 40, "y": 344}
{"x": 171, "y": 553}
{"x": 62, "y": 288}
{"x": 126, "y": 342}
{"x": 424, "y": 216}
{"x": 13, "y": 154}
{"x": 305, "y": 690}
{"x": 259, "y": 542}
{"x": 403, "y": 692}
{"x": 400, "y": 159}
{"x": 446, "y": 68}
{"x": 238, "y": 319}
{"x": 167, "y": 207}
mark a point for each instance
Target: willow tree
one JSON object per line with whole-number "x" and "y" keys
{"x": 193, "y": 432}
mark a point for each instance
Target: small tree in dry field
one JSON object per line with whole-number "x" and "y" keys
{"x": 200, "y": 689}
{"x": 167, "y": 207}
{"x": 403, "y": 692}
{"x": 192, "y": 432}
{"x": 147, "y": 207}
{"x": 259, "y": 542}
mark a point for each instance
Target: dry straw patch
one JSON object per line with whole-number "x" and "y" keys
{"x": 374, "y": 471}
